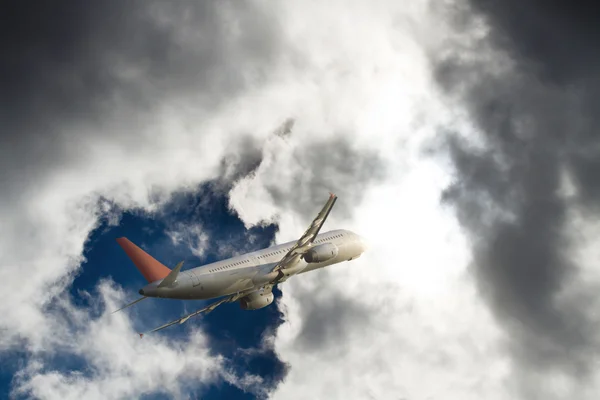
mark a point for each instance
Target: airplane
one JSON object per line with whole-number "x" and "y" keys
{"x": 248, "y": 278}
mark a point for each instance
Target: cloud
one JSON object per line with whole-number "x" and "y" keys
{"x": 65, "y": 77}
{"x": 328, "y": 316}
{"x": 156, "y": 100}
{"x": 192, "y": 235}
{"x": 119, "y": 365}
{"x": 527, "y": 83}
{"x": 405, "y": 313}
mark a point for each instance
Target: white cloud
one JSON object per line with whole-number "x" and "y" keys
{"x": 192, "y": 235}
{"x": 419, "y": 329}
{"x": 117, "y": 363}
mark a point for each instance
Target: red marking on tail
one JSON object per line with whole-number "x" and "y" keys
{"x": 145, "y": 263}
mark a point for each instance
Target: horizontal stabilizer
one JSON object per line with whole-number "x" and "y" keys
{"x": 172, "y": 277}
{"x": 152, "y": 269}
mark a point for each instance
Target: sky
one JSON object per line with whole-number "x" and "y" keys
{"x": 460, "y": 137}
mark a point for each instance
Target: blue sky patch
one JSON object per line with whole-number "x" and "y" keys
{"x": 232, "y": 332}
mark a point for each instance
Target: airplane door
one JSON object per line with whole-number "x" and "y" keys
{"x": 195, "y": 279}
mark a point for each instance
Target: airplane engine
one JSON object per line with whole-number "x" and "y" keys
{"x": 256, "y": 300}
{"x": 320, "y": 253}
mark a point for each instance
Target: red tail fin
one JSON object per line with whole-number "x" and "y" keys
{"x": 145, "y": 263}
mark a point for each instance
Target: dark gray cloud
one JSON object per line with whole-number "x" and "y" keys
{"x": 330, "y": 165}
{"x": 329, "y": 316}
{"x": 538, "y": 121}
{"x": 70, "y": 66}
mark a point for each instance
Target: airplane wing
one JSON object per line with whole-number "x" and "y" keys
{"x": 294, "y": 254}
{"x": 206, "y": 310}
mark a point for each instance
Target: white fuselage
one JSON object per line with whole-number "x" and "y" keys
{"x": 251, "y": 271}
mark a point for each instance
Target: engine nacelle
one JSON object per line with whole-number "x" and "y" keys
{"x": 256, "y": 300}
{"x": 320, "y": 253}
